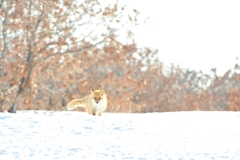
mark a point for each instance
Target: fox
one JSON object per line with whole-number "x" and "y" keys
{"x": 95, "y": 103}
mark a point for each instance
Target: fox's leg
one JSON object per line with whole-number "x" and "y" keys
{"x": 93, "y": 112}
{"x": 88, "y": 110}
{"x": 98, "y": 113}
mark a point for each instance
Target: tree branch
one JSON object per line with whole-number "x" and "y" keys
{"x": 78, "y": 50}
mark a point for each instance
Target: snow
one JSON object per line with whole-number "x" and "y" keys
{"x": 77, "y": 135}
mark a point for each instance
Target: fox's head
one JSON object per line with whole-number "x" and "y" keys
{"x": 98, "y": 95}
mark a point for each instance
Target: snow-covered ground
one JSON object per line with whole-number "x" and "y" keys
{"x": 77, "y": 135}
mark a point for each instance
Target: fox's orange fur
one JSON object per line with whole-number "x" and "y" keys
{"x": 95, "y": 103}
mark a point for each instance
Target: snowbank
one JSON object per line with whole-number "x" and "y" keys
{"x": 77, "y": 135}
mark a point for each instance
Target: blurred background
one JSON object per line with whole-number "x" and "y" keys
{"x": 149, "y": 56}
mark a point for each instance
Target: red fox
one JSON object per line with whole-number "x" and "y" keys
{"x": 95, "y": 103}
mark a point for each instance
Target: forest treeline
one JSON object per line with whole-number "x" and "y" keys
{"x": 54, "y": 51}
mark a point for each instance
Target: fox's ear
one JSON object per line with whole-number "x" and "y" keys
{"x": 102, "y": 91}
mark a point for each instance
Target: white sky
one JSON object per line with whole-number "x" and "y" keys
{"x": 198, "y": 35}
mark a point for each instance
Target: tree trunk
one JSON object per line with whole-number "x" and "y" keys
{"x": 13, "y": 108}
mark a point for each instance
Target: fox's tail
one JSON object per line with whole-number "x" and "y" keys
{"x": 75, "y": 103}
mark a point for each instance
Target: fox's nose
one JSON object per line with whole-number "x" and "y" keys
{"x": 96, "y": 102}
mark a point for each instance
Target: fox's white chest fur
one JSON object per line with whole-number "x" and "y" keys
{"x": 98, "y": 107}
